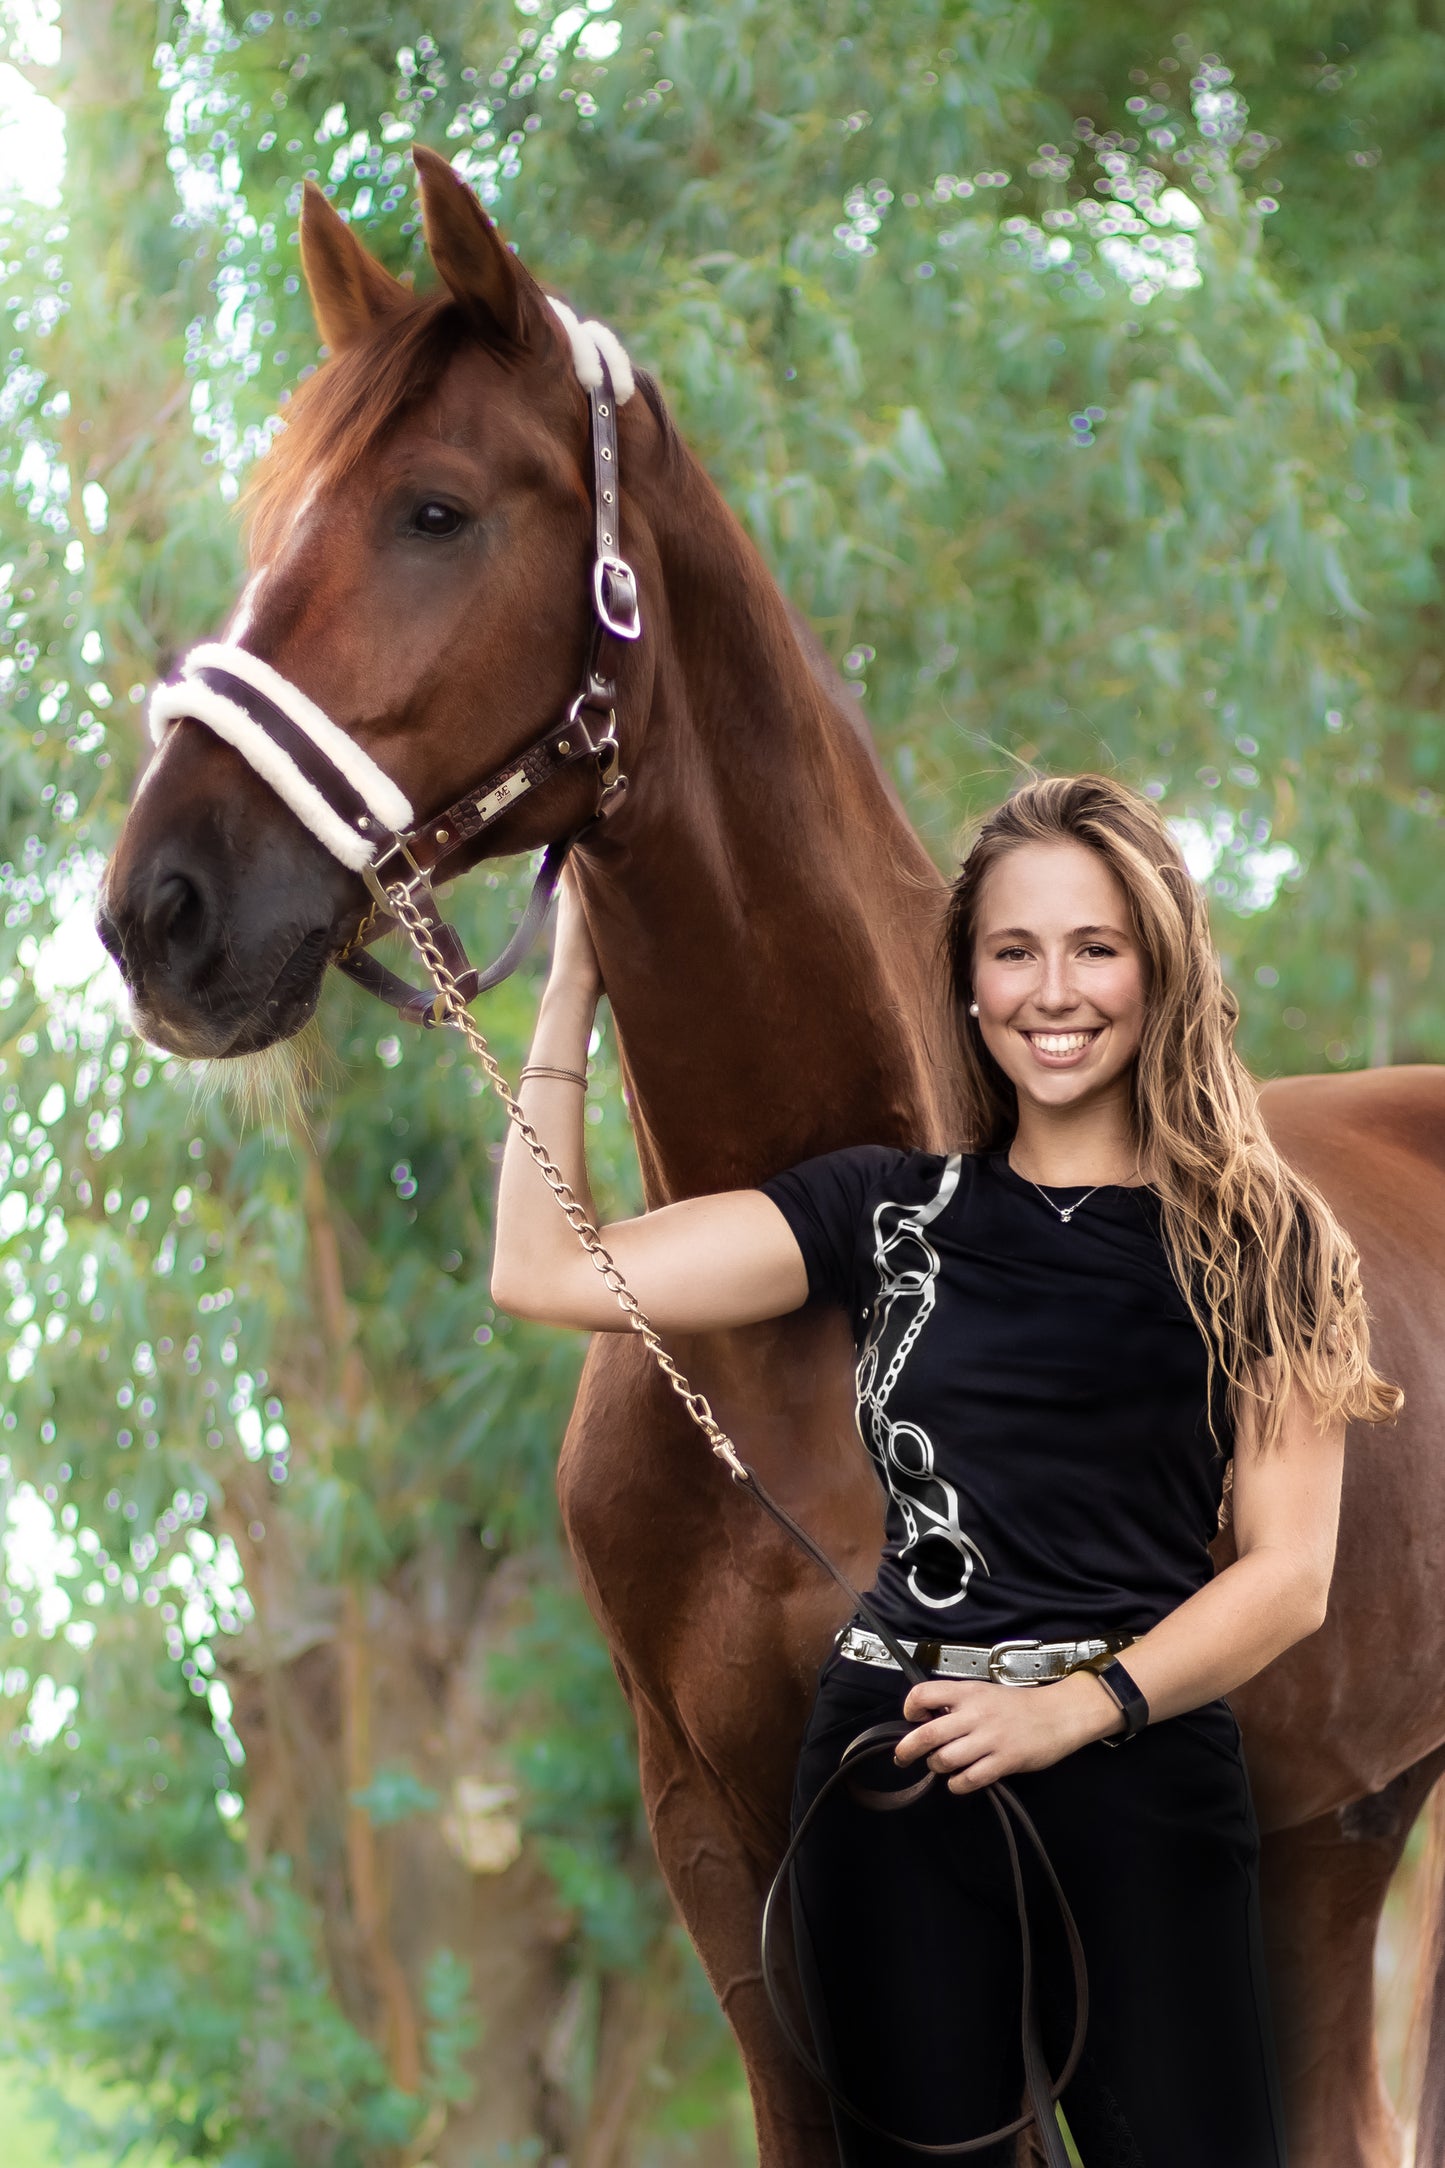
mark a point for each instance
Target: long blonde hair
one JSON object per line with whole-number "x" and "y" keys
{"x": 1270, "y": 1276}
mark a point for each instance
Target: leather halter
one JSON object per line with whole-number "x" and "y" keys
{"x": 358, "y": 814}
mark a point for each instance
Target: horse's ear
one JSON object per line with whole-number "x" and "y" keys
{"x": 475, "y": 264}
{"x": 350, "y": 291}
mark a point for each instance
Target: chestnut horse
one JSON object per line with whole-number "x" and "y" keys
{"x": 767, "y": 925}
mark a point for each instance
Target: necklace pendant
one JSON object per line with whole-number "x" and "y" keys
{"x": 1067, "y": 1216}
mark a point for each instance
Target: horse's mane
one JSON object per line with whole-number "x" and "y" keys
{"x": 344, "y": 410}
{"x": 651, "y": 391}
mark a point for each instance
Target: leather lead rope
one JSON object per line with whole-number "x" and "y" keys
{"x": 1041, "y": 2092}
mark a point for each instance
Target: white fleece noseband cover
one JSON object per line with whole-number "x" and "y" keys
{"x": 383, "y": 808}
{"x": 209, "y": 705}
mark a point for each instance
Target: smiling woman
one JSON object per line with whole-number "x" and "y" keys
{"x": 1117, "y": 952}
{"x": 1064, "y": 996}
{"x": 1065, "y": 1333}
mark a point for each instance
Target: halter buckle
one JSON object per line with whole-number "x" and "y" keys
{"x": 371, "y": 873}
{"x": 604, "y": 748}
{"x": 614, "y": 597}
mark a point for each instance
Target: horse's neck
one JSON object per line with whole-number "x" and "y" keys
{"x": 765, "y": 917}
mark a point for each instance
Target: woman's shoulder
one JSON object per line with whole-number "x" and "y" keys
{"x": 832, "y": 1200}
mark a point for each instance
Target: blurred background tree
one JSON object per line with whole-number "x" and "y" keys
{"x": 1079, "y": 371}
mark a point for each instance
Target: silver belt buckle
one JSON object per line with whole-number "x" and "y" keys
{"x": 998, "y": 1657}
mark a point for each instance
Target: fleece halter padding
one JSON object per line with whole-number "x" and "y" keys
{"x": 592, "y": 344}
{"x": 280, "y": 758}
{"x": 335, "y": 789}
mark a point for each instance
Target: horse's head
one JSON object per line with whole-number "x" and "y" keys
{"x": 421, "y": 549}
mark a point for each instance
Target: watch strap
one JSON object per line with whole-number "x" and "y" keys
{"x": 1116, "y": 1679}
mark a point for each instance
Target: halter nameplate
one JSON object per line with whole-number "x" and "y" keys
{"x": 502, "y": 795}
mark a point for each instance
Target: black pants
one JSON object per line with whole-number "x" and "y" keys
{"x": 908, "y": 1945}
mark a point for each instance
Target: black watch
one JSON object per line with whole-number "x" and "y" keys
{"x": 1130, "y": 1700}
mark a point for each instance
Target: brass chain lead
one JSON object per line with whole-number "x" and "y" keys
{"x": 409, "y": 916}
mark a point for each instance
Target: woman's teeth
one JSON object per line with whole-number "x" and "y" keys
{"x": 1061, "y": 1042}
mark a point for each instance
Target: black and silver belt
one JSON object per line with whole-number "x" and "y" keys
{"x": 1019, "y": 1662}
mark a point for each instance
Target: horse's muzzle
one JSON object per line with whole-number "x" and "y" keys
{"x": 198, "y": 986}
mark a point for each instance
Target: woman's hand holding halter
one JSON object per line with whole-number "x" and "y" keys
{"x": 575, "y": 968}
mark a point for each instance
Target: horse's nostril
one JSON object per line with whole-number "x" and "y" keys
{"x": 175, "y": 914}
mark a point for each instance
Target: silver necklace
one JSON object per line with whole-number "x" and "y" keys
{"x": 1065, "y": 1212}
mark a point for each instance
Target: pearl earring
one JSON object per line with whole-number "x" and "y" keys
{"x": 973, "y": 1008}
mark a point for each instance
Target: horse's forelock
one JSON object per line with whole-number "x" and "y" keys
{"x": 354, "y": 399}
{"x": 341, "y": 413}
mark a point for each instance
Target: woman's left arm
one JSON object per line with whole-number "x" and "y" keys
{"x": 1286, "y": 1510}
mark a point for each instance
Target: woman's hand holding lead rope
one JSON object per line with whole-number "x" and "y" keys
{"x": 973, "y": 1731}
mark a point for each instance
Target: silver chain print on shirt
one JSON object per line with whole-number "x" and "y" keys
{"x": 907, "y": 1265}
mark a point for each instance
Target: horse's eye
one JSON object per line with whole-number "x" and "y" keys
{"x": 437, "y": 520}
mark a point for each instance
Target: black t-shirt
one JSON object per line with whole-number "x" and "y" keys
{"x": 1033, "y": 1393}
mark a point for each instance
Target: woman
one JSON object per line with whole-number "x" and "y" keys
{"x": 1068, "y": 1334}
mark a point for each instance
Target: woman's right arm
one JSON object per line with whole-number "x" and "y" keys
{"x": 697, "y": 1266}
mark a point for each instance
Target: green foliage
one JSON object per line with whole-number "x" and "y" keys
{"x": 452, "y": 2030}
{"x": 1063, "y": 469}
{"x": 393, "y": 1794}
{"x": 29, "y": 2138}
{"x": 202, "y": 2003}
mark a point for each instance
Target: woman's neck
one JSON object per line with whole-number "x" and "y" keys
{"x": 1066, "y": 1147}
